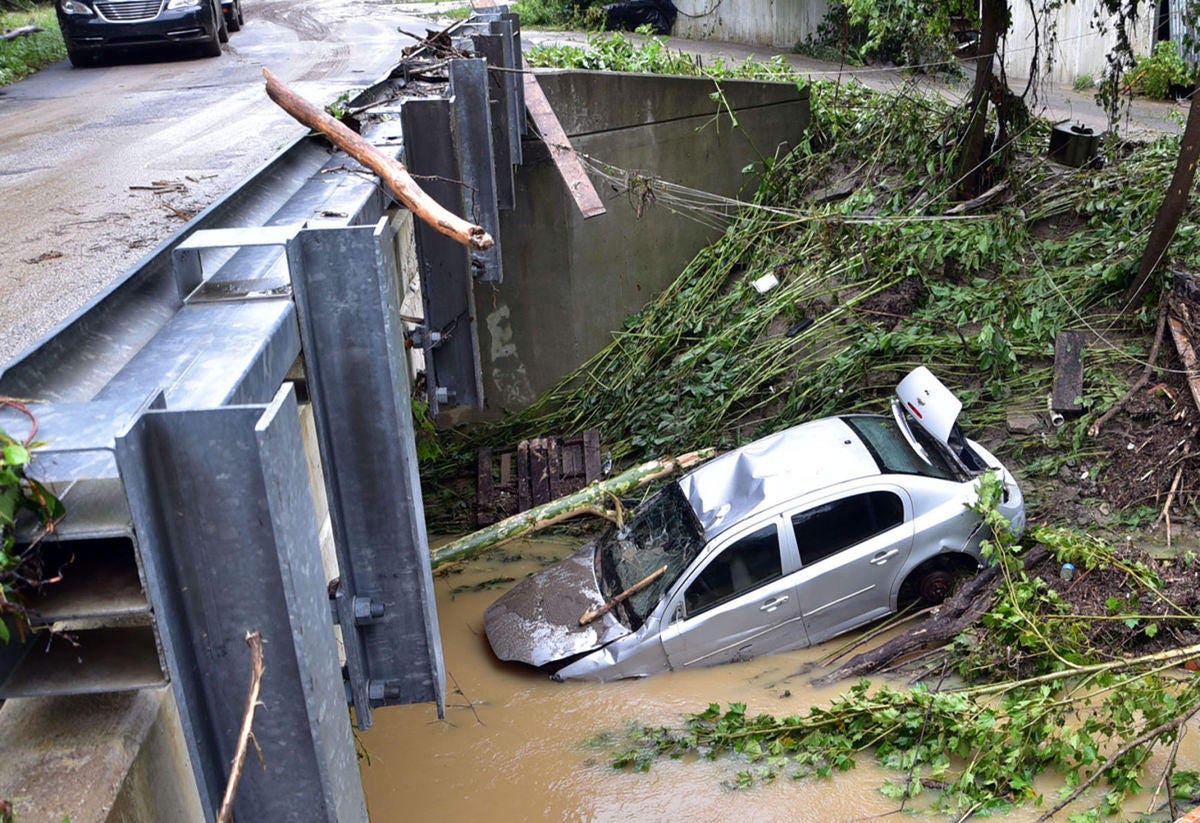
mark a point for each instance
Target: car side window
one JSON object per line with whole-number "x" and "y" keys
{"x": 740, "y": 567}
{"x": 830, "y": 527}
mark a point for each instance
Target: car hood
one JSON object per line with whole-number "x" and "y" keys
{"x": 537, "y": 620}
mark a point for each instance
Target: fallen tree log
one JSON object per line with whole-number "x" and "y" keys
{"x": 390, "y": 170}
{"x": 956, "y": 615}
{"x": 23, "y": 31}
{"x": 588, "y": 500}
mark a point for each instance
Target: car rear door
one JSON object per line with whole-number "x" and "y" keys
{"x": 851, "y": 548}
{"x": 738, "y": 601}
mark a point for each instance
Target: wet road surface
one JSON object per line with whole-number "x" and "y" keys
{"x": 99, "y": 165}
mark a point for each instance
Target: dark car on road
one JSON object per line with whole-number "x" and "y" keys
{"x": 95, "y": 28}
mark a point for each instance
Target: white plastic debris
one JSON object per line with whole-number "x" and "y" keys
{"x": 765, "y": 283}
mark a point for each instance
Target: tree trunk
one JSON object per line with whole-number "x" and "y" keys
{"x": 956, "y": 615}
{"x": 974, "y": 149}
{"x": 1172, "y": 208}
{"x": 391, "y": 171}
{"x": 588, "y": 500}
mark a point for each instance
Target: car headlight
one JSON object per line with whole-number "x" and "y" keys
{"x": 75, "y": 7}
{"x": 184, "y": 4}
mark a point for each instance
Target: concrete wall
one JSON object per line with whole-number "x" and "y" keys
{"x": 780, "y": 23}
{"x": 569, "y": 282}
{"x": 108, "y": 758}
{"x": 1081, "y": 48}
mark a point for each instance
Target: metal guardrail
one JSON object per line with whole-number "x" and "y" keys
{"x": 174, "y": 441}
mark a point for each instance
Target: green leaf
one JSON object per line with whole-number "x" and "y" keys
{"x": 4, "y": 634}
{"x": 16, "y": 455}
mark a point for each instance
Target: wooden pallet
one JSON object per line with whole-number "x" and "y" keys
{"x": 535, "y": 472}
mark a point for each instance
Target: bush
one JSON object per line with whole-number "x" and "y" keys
{"x": 1156, "y": 75}
{"x": 25, "y": 55}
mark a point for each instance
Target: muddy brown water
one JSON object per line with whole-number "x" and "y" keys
{"x": 514, "y": 744}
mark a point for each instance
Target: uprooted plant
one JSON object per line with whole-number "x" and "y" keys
{"x": 876, "y": 276}
{"x": 20, "y": 494}
{"x": 1046, "y": 689}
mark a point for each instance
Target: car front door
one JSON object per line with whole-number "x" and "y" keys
{"x": 851, "y": 548}
{"x": 738, "y": 602}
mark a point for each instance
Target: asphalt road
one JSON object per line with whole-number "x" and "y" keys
{"x": 99, "y": 165}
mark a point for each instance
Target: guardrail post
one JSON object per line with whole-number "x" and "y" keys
{"x": 222, "y": 505}
{"x": 345, "y": 286}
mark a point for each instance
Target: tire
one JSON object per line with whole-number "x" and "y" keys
{"x": 222, "y": 29}
{"x": 935, "y": 585}
{"x": 234, "y": 21}
{"x": 211, "y": 47}
{"x": 241, "y": 18}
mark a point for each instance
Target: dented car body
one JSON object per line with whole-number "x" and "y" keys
{"x": 778, "y": 545}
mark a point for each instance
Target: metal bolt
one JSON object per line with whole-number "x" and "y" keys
{"x": 367, "y": 610}
{"x": 381, "y": 690}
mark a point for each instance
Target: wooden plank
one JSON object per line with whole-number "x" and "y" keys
{"x": 571, "y": 452}
{"x": 1067, "y": 394}
{"x": 553, "y": 467}
{"x": 561, "y": 152}
{"x": 591, "y": 455}
{"x": 506, "y": 470}
{"x": 523, "y": 496}
{"x": 1187, "y": 354}
{"x": 485, "y": 491}
{"x": 539, "y": 478}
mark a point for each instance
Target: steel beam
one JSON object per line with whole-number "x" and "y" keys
{"x": 472, "y": 129}
{"x": 221, "y": 503}
{"x": 346, "y": 291}
{"x": 452, "y": 342}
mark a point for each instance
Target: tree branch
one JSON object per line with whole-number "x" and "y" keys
{"x": 391, "y": 171}
{"x": 255, "y": 641}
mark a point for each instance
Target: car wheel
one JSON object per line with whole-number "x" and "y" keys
{"x": 234, "y": 21}
{"x": 212, "y": 46}
{"x": 222, "y": 29}
{"x": 241, "y": 18}
{"x": 935, "y": 585}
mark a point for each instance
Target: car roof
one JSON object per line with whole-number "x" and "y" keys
{"x": 775, "y": 469}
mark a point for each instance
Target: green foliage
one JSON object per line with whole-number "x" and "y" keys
{"x": 1083, "y": 82}
{"x": 1153, "y": 75}
{"x": 616, "y": 52}
{"x": 711, "y": 362}
{"x": 25, "y": 55}
{"x": 1073, "y": 711}
{"x": 428, "y": 447}
{"x": 19, "y": 494}
{"x": 545, "y": 13}
{"x": 914, "y": 33}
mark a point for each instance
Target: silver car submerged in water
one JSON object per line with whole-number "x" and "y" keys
{"x": 778, "y": 545}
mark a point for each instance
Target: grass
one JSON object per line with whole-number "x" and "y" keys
{"x": 25, "y": 55}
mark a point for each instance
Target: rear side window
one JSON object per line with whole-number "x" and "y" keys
{"x": 830, "y": 527}
{"x": 740, "y": 567}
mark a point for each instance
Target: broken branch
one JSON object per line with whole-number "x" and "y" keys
{"x": 13, "y": 34}
{"x": 391, "y": 171}
{"x": 255, "y": 641}
{"x": 588, "y": 500}
{"x": 599, "y": 611}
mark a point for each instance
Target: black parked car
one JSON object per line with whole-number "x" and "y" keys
{"x": 92, "y": 28}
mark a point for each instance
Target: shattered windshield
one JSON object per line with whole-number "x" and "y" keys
{"x": 663, "y": 531}
{"x": 892, "y": 451}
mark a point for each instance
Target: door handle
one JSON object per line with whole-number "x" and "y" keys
{"x": 773, "y": 604}
{"x": 882, "y": 557}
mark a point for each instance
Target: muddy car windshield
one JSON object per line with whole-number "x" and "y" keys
{"x": 893, "y": 453}
{"x": 663, "y": 531}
